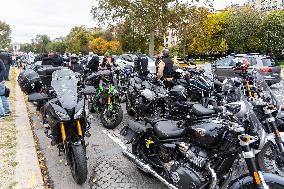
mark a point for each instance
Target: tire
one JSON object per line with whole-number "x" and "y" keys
{"x": 115, "y": 121}
{"x": 246, "y": 182}
{"x": 78, "y": 164}
{"x": 268, "y": 159}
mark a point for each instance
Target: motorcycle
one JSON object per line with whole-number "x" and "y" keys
{"x": 200, "y": 156}
{"x": 67, "y": 120}
{"x": 123, "y": 76}
{"x": 106, "y": 100}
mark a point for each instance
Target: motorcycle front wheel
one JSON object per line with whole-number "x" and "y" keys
{"x": 111, "y": 120}
{"x": 246, "y": 182}
{"x": 78, "y": 163}
{"x": 270, "y": 160}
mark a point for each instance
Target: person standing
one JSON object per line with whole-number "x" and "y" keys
{"x": 6, "y": 57}
{"x": 4, "y": 108}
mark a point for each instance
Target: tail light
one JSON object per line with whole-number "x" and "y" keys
{"x": 265, "y": 69}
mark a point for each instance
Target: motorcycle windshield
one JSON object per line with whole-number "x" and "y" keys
{"x": 64, "y": 83}
{"x": 261, "y": 84}
{"x": 208, "y": 71}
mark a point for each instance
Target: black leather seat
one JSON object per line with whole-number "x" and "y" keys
{"x": 185, "y": 104}
{"x": 167, "y": 129}
{"x": 199, "y": 110}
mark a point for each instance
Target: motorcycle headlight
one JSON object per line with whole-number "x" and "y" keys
{"x": 63, "y": 116}
{"x": 78, "y": 114}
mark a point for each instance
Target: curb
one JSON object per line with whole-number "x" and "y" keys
{"x": 28, "y": 173}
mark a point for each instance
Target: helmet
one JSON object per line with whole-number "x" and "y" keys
{"x": 166, "y": 53}
{"x": 74, "y": 58}
{"x": 242, "y": 65}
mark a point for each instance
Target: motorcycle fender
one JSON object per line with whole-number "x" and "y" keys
{"x": 247, "y": 180}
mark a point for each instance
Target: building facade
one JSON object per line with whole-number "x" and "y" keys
{"x": 266, "y": 5}
{"x": 171, "y": 38}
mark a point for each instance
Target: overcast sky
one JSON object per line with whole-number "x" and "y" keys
{"x": 54, "y": 17}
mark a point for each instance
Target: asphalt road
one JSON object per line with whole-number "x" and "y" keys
{"x": 108, "y": 168}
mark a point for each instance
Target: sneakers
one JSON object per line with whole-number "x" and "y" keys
{"x": 2, "y": 117}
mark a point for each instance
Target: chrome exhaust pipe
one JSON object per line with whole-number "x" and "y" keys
{"x": 146, "y": 168}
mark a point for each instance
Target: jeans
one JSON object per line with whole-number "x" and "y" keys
{"x": 4, "y": 107}
{"x": 7, "y": 67}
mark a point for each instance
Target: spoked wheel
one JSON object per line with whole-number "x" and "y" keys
{"x": 78, "y": 164}
{"x": 270, "y": 160}
{"x": 112, "y": 119}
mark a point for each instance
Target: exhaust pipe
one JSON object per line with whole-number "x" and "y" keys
{"x": 146, "y": 168}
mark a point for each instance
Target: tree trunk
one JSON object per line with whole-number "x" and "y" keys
{"x": 152, "y": 43}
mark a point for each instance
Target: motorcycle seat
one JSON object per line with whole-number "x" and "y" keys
{"x": 167, "y": 129}
{"x": 199, "y": 110}
{"x": 186, "y": 104}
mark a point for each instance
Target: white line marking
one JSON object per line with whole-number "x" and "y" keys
{"x": 115, "y": 139}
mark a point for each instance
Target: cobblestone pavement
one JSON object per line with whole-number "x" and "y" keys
{"x": 108, "y": 168}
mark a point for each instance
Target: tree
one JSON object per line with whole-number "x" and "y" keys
{"x": 41, "y": 42}
{"x": 78, "y": 39}
{"x": 5, "y": 35}
{"x": 27, "y": 47}
{"x": 58, "y": 47}
{"x": 149, "y": 17}
{"x": 98, "y": 46}
{"x": 243, "y": 32}
{"x": 114, "y": 47}
{"x": 272, "y": 30}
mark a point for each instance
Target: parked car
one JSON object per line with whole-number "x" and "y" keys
{"x": 128, "y": 59}
{"x": 223, "y": 67}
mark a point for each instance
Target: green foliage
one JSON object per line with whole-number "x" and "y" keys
{"x": 57, "y": 47}
{"x": 27, "y": 47}
{"x": 5, "y": 35}
{"x": 272, "y": 30}
{"x": 243, "y": 32}
{"x": 41, "y": 42}
{"x": 77, "y": 40}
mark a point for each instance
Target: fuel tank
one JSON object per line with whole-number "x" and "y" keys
{"x": 207, "y": 134}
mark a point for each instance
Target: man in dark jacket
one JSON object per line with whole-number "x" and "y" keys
{"x": 94, "y": 64}
{"x": 74, "y": 65}
{"x": 6, "y": 57}
{"x": 4, "y": 107}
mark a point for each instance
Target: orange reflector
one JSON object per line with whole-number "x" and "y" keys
{"x": 256, "y": 178}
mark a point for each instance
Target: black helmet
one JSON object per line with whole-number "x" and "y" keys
{"x": 166, "y": 53}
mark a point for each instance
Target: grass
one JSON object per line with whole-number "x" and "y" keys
{"x": 196, "y": 61}
{"x": 8, "y": 139}
{"x": 281, "y": 64}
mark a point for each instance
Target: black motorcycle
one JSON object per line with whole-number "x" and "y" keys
{"x": 67, "y": 120}
{"x": 203, "y": 155}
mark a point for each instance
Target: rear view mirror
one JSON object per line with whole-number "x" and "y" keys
{"x": 36, "y": 97}
{"x": 89, "y": 90}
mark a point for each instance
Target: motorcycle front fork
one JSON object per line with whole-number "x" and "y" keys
{"x": 272, "y": 124}
{"x": 245, "y": 141}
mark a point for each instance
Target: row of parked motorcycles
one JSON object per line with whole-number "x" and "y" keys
{"x": 188, "y": 132}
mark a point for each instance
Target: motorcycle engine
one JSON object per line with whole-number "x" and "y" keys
{"x": 189, "y": 173}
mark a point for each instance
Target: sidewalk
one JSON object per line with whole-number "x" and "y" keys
{"x": 28, "y": 174}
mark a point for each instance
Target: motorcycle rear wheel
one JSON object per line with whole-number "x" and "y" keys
{"x": 78, "y": 164}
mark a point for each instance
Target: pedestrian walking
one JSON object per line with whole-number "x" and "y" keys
{"x": 4, "y": 107}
